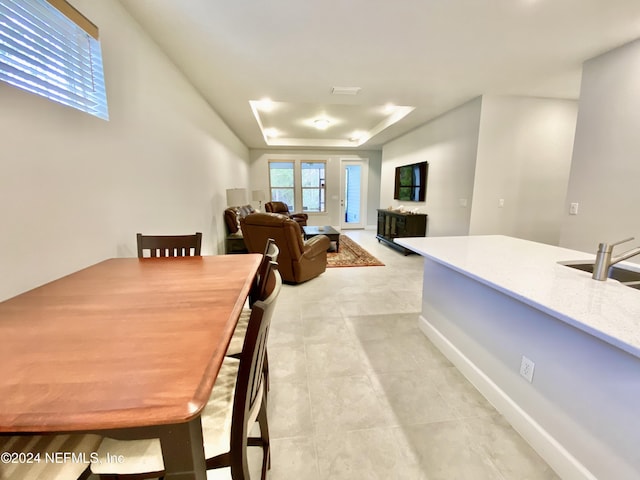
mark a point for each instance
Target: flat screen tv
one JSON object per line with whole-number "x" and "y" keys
{"x": 411, "y": 182}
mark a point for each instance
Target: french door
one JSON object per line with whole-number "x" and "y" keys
{"x": 353, "y": 193}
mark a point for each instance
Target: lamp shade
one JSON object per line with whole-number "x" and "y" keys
{"x": 258, "y": 195}
{"x": 236, "y": 197}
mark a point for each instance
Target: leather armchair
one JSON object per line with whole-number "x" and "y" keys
{"x": 298, "y": 260}
{"x": 283, "y": 209}
{"x": 232, "y": 216}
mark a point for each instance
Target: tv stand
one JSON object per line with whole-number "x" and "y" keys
{"x": 392, "y": 224}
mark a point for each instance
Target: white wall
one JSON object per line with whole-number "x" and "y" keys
{"x": 512, "y": 148}
{"x": 259, "y": 175}
{"x": 605, "y": 170}
{"x": 75, "y": 189}
{"x": 524, "y": 157}
{"x": 449, "y": 143}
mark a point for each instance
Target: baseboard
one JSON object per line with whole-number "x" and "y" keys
{"x": 562, "y": 462}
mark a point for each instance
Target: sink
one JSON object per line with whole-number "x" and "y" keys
{"x": 627, "y": 277}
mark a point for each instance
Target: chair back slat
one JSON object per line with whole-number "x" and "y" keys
{"x": 257, "y": 376}
{"x": 169, "y": 245}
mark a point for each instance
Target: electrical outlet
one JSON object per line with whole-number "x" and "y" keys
{"x": 500, "y": 202}
{"x": 526, "y": 368}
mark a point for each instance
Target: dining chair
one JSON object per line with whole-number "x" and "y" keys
{"x": 41, "y": 456}
{"x": 261, "y": 290}
{"x": 271, "y": 252}
{"x": 257, "y": 292}
{"x": 169, "y": 245}
{"x": 250, "y": 403}
{"x": 237, "y": 402}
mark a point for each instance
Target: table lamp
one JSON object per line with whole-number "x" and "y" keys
{"x": 236, "y": 197}
{"x": 259, "y": 196}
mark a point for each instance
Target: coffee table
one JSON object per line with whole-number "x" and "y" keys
{"x": 332, "y": 233}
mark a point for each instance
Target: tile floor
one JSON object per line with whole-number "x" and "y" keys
{"x": 358, "y": 392}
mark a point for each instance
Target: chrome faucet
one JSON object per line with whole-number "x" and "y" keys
{"x": 604, "y": 259}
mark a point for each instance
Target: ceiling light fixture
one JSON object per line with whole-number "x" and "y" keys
{"x": 321, "y": 123}
{"x": 389, "y": 108}
{"x": 357, "y": 136}
{"x": 271, "y": 132}
{"x": 265, "y": 105}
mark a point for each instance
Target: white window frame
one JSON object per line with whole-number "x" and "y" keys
{"x": 292, "y": 188}
{"x": 321, "y": 188}
{"x": 297, "y": 187}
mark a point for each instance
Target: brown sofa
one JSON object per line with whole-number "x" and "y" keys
{"x": 298, "y": 260}
{"x": 232, "y": 216}
{"x": 283, "y": 209}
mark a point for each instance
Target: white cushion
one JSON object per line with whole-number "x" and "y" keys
{"x": 141, "y": 456}
{"x": 53, "y": 466}
{"x": 217, "y": 414}
{"x": 237, "y": 341}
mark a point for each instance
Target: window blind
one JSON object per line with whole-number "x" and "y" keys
{"x": 44, "y": 52}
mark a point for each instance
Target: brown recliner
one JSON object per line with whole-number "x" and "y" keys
{"x": 298, "y": 260}
{"x": 283, "y": 209}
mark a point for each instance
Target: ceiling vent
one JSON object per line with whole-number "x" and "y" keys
{"x": 345, "y": 90}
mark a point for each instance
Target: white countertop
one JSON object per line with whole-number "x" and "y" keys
{"x": 529, "y": 272}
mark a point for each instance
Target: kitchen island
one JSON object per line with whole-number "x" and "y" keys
{"x": 490, "y": 300}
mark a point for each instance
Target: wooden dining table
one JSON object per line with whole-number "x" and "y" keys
{"x": 128, "y": 348}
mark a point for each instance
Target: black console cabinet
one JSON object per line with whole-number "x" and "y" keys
{"x": 393, "y": 224}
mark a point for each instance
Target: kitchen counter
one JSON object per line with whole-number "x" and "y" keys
{"x": 529, "y": 272}
{"x": 490, "y": 301}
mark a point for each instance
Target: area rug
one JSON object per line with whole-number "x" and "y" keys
{"x": 351, "y": 255}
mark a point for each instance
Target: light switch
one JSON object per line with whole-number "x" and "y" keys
{"x": 573, "y": 209}
{"x": 500, "y": 202}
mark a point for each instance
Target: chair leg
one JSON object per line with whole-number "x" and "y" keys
{"x": 86, "y": 474}
{"x": 237, "y": 460}
{"x": 239, "y": 471}
{"x": 264, "y": 435}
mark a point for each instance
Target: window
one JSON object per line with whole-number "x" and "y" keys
{"x": 44, "y": 51}
{"x": 282, "y": 183}
{"x": 313, "y": 186}
{"x": 298, "y": 181}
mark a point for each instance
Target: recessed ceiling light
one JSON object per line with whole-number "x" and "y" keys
{"x": 321, "y": 123}
{"x": 389, "y": 108}
{"x": 271, "y": 132}
{"x": 345, "y": 90}
{"x": 265, "y": 105}
{"x": 357, "y": 135}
